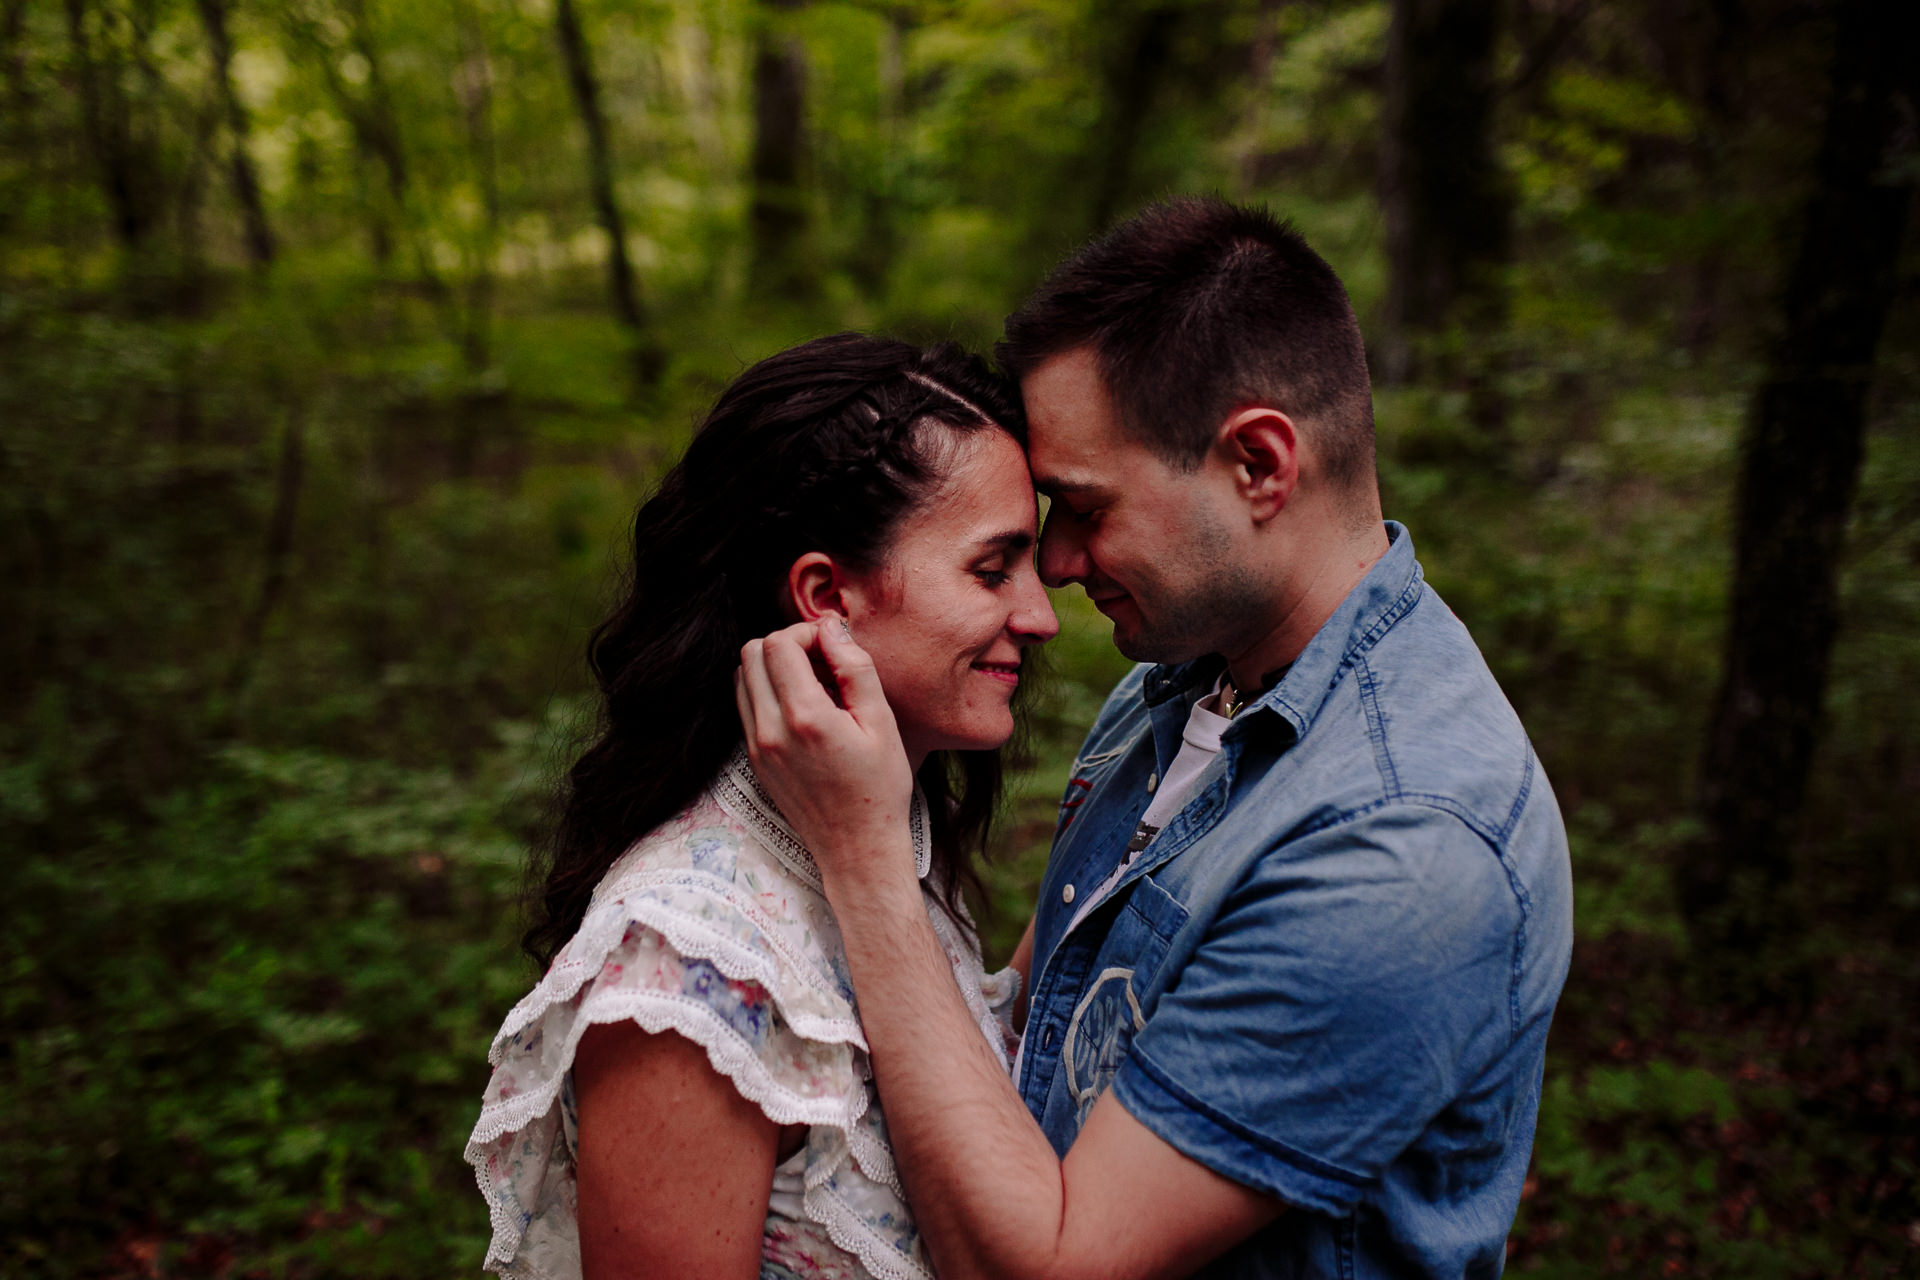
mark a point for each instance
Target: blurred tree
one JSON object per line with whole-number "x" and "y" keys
{"x": 1260, "y": 51}
{"x": 342, "y": 46}
{"x": 240, "y": 167}
{"x": 289, "y": 474}
{"x": 473, "y": 84}
{"x": 1136, "y": 51}
{"x": 1800, "y": 464}
{"x": 1446, "y": 199}
{"x": 782, "y": 258}
{"x": 622, "y": 289}
{"x": 118, "y": 133}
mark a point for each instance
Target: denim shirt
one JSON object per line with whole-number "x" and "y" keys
{"x": 1330, "y": 975}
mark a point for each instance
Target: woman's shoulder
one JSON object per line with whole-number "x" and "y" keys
{"x": 698, "y": 930}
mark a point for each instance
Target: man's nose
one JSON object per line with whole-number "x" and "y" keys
{"x": 1062, "y": 555}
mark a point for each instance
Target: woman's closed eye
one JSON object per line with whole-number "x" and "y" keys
{"x": 993, "y": 575}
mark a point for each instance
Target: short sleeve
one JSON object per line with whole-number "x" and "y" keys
{"x": 522, "y": 1148}
{"x": 1339, "y": 1001}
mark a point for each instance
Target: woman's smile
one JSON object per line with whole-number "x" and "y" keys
{"x": 1007, "y": 673}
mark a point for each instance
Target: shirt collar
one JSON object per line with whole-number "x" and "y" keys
{"x": 1387, "y": 591}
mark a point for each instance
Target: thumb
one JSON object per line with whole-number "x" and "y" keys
{"x": 853, "y": 674}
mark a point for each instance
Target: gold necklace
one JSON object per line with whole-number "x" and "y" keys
{"x": 1231, "y": 699}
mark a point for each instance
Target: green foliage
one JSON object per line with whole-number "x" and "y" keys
{"x": 264, "y": 802}
{"x": 253, "y": 1024}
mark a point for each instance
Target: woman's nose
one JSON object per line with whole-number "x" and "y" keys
{"x": 1033, "y": 620}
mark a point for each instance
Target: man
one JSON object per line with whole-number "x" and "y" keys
{"x": 1308, "y": 907}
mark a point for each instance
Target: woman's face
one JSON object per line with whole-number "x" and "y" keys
{"x": 953, "y": 607}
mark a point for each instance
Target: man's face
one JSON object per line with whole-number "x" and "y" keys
{"x": 1154, "y": 547}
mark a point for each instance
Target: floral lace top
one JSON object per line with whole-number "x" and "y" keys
{"x": 714, "y": 926}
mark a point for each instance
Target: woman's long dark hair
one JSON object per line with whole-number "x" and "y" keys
{"x": 823, "y": 447}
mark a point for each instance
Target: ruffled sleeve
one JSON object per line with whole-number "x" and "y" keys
{"x": 702, "y": 930}
{"x": 716, "y": 927}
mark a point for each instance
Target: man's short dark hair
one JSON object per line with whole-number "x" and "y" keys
{"x": 1194, "y": 307}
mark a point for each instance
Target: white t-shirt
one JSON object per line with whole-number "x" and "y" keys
{"x": 1199, "y": 744}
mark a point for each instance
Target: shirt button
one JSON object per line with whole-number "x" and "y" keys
{"x": 1046, "y": 1038}
{"x": 1066, "y": 895}
{"x": 1153, "y": 780}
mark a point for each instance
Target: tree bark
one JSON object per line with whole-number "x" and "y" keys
{"x": 376, "y": 137}
{"x": 1134, "y": 68}
{"x": 13, "y": 57}
{"x": 1446, "y": 197}
{"x": 622, "y": 290}
{"x": 475, "y": 87}
{"x": 106, "y": 118}
{"x": 240, "y": 170}
{"x": 289, "y": 473}
{"x": 1800, "y": 465}
{"x": 782, "y": 262}
{"x": 1260, "y": 53}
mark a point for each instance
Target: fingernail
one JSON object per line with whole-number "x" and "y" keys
{"x": 846, "y": 629}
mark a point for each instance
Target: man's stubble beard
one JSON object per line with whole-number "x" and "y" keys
{"x": 1214, "y": 604}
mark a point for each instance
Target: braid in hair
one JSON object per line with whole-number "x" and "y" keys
{"x": 823, "y": 447}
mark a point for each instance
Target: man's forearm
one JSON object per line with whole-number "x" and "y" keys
{"x": 985, "y": 1185}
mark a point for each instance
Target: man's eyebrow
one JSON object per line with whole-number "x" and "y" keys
{"x": 1055, "y": 488}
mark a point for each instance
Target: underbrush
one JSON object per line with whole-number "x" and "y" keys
{"x": 264, "y": 843}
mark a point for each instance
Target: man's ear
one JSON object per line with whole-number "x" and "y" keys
{"x": 1262, "y": 448}
{"x": 816, "y": 588}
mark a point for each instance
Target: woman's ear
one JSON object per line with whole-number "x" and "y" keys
{"x": 815, "y": 588}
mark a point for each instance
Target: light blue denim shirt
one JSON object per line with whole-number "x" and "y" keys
{"x": 1330, "y": 975}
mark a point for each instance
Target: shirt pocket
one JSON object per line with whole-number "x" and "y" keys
{"x": 1087, "y": 771}
{"x": 1100, "y": 1032}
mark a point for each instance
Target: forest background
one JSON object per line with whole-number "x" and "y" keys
{"x": 339, "y": 339}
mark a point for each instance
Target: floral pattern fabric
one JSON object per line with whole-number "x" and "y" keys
{"x": 714, "y": 926}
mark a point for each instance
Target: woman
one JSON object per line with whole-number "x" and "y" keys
{"x": 686, "y": 1092}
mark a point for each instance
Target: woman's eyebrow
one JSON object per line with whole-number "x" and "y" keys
{"x": 1011, "y": 540}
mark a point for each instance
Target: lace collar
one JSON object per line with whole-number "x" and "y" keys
{"x": 741, "y": 795}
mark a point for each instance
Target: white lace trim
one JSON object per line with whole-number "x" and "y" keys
{"x": 657, "y": 1011}
{"x": 739, "y": 792}
{"x": 606, "y": 924}
{"x": 732, "y": 1057}
{"x": 808, "y": 995}
{"x": 782, "y": 1105}
{"x": 850, "y": 1231}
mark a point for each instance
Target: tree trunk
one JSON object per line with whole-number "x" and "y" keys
{"x": 288, "y": 475}
{"x": 1800, "y": 463}
{"x": 1266, "y": 42}
{"x": 621, "y": 288}
{"x": 240, "y": 171}
{"x": 475, "y": 87}
{"x": 376, "y": 138}
{"x": 873, "y": 256}
{"x": 782, "y": 261}
{"x": 106, "y": 118}
{"x": 1446, "y": 198}
{"x": 13, "y": 58}
{"x": 1134, "y": 67}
